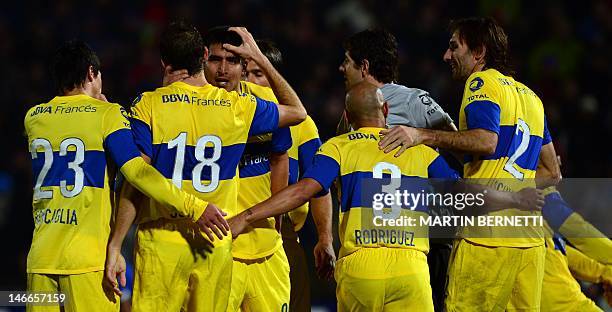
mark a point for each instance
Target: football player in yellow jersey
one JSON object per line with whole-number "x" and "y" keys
{"x": 71, "y": 139}
{"x": 391, "y": 274}
{"x": 501, "y": 132}
{"x": 306, "y": 141}
{"x": 195, "y": 134}
{"x": 260, "y": 276}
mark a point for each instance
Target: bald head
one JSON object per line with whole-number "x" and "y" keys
{"x": 365, "y": 106}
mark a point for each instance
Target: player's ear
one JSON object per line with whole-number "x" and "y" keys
{"x": 385, "y": 109}
{"x": 162, "y": 64}
{"x": 479, "y": 54}
{"x": 365, "y": 68}
{"x": 91, "y": 75}
{"x": 206, "y": 54}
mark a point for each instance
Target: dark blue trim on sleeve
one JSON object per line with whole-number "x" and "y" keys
{"x": 281, "y": 140}
{"x": 265, "y": 119}
{"x": 555, "y": 210}
{"x": 324, "y": 170}
{"x": 306, "y": 153}
{"x": 121, "y": 147}
{"x": 439, "y": 169}
{"x": 142, "y": 137}
{"x": 547, "y": 136}
{"x": 483, "y": 115}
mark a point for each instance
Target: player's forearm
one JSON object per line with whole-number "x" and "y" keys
{"x": 292, "y": 111}
{"x": 279, "y": 171}
{"x": 548, "y": 172}
{"x": 126, "y": 214}
{"x": 321, "y": 208}
{"x": 475, "y": 141}
{"x": 150, "y": 182}
{"x": 284, "y": 201}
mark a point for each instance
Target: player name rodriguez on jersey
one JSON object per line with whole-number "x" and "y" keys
{"x": 356, "y": 159}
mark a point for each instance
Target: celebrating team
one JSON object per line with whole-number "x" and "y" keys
{"x": 209, "y": 147}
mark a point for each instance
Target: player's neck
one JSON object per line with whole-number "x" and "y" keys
{"x": 197, "y": 80}
{"x": 369, "y": 123}
{"x": 373, "y": 81}
{"x": 79, "y": 91}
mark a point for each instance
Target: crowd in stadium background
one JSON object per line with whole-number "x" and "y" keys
{"x": 560, "y": 49}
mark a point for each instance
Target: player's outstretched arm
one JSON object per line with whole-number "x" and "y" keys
{"x": 473, "y": 141}
{"x": 587, "y": 269}
{"x": 324, "y": 254}
{"x": 291, "y": 110}
{"x": 282, "y": 202}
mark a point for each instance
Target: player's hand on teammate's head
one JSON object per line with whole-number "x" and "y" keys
{"x": 171, "y": 76}
{"x": 399, "y": 136}
{"x": 213, "y": 221}
{"x": 114, "y": 272}
{"x": 325, "y": 260}
{"x": 530, "y": 199}
{"x": 248, "y": 50}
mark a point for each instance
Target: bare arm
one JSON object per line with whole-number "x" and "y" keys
{"x": 548, "y": 172}
{"x": 279, "y": 171}
{"x": 474, "y": 141}
{"x": 284, "y": 201}
{"x": 291, "y": 112}
{"x": 279, "y": 177}
{"x": 321, "y": 208}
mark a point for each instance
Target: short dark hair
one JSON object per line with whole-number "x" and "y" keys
{"x": 221, "y": 35}
{"x": 269, "y": 49}
{"x": 379, "y": 47}
{"x": 181, "y": 47}
{"x": 70, "y": 65}
{"x": 479, "y": 32}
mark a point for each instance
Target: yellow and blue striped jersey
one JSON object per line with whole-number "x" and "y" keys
{"x": 260, "y": 239}
{"x": 306, "y": 142}
{"x": 356, "y": 158}
{"x": 498, "y": 103}
{"x": 195, "y": 137}
{"x": 72, "y": 139}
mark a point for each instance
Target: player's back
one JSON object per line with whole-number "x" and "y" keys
{"x": 72, "y": 197}
{"x": 195, "y": 137}
{"x": 507, "y": 107}
{"x": 365, "y": 171}
{"x": 520, "y": 126}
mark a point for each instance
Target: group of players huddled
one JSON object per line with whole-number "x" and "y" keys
{"x": 220, "y": 165}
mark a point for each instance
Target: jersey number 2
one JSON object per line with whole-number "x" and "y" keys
{"x": 522, "y": 148}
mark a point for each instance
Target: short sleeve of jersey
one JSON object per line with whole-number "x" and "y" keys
{"x": 547, "y": 137}
{"x": 266, "y": 116}
{"x": 308, "y": 145}
{"x": 141, "y": 125}
{"x": 281, "y": 140}
{"x": 326, "y": 165}
{"x": 481, "y": 104}
{"x": 427, "y": 112}
{"x": 438, "y": 167}
{"x": 118, "y": 137}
